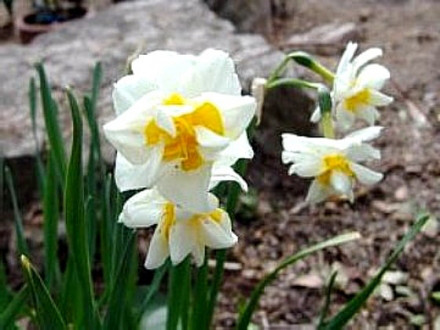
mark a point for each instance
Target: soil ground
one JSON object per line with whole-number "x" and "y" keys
{"x": 409, "y": 33}
{"x": 280, "y": 224}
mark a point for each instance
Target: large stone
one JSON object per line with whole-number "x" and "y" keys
{"x": 111, "y": 36}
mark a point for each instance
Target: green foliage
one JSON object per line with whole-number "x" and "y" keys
{"x": 355, "y": 304}
{"x": 47, "y": 313}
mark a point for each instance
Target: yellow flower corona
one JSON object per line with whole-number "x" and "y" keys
{"x": 184, "y": 146}
{"x": 334, "y": 162}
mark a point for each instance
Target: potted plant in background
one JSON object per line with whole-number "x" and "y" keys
{"x": 6, "y": 24}
{"x": 47, "y": 16}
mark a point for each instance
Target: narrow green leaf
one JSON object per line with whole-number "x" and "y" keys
{"x": 178, "y": 291}
{"x": 328, "y": 294}
{"x": 97, "y": 77}
{"x": 51, "y": 213}
{"x": 75, "y": 219}
{"x": 47, "y": 313}
{"x": 152, "y": 290}
{"x": 22, "y": 246}
{"x": 245, "y": 317}
{"x": 13, "y": 309}
{"x": 118, "y": 295}
{"x": 355, "y": 304}
{"x": 50, "y": 114}
{"x": 33, "y": 112}
{"x": 200, "y": 296}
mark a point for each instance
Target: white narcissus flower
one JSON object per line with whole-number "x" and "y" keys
{"x": 179, "y": 232}
{"x": 333, "y": 163}
{"x": 178, "y": 116}
{"x": 356, "y": 88}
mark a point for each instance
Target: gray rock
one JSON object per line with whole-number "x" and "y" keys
{"x": 326, "y": 39}
{"x": 111, "y": 36}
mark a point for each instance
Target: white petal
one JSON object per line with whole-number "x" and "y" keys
{"x": 317, "y": 193}
{"x": 215, "y": 236}
{"x": 198, "y": 254}
{"x": 236, "y": 111}
{"x": 365, "y": 175}
{"x": 187, "y": 188}
{"x": 166, "y": 69}
{"x": 165, "y": 122}
{"x": 373, "y": 76}
{"x": 341, "y": 183}
{"x": 307, "y": 169}
{"x": 225, "y": 173}
{"x": 128, "y": 90}
{"x": 237, "y": 149}
{"x": 379, "y": 99}
{"x": 210, "y": 143}
{"x": 366, "y": 57}
{"x": 362, "y": 152}
{"x": 369, "y": 114}
{"x": 132, "y": 177}
{"x": 214, "y": 72}
{"x": 344, "y": 118}
{"x": 182, "y": 241}
{"x": 365, "y": 134}
{"x": 143, "y": 209}
{"x": 125, "y": 132}
{"x": 346, "y": 57}
{"x": 158, "y": 251}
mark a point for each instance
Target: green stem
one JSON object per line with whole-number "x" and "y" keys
{"x": 303, "y": 59}
{"x": 200, "y": 296}
{"x": 179, "y": 286}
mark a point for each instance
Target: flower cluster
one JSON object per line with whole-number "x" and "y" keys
{"x": 334, "y": 163}
{"x": 180, "y": 126}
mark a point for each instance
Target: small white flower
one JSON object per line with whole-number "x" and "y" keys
{"x": 179, "y": 232}
{"x": 333, "y": 163}
{"x": 356, "y": 88}
{"x": 178, "y": 116}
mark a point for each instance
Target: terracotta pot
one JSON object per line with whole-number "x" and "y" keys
{"x": 28, "y": 28}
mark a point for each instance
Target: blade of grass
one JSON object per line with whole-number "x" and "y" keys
{"x": 118, "y": 294}
{"x": 152, "y": 290}
{"x": 178, "y": 288}
{"x": 50, "y": 114}
{"x": 245, "y": 316}
{"x": 47, "y": 313}
{"x": 200, "y": 296}
{"x": 22, "y": 246}
{"x": 328, "y": 294}
{"x": 10, "y": 312}
{"x": 355, "y": 304}
{"x": 51, "y": 213}
{"x": 75, "y": 219}
{"x": 33, "y": 112}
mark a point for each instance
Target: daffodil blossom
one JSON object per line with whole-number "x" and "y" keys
{"x": 178, "y": 115}
{"x": 333, "y": 163}
{"x": 356, "y": 88}
{"x": 179, "y": 232}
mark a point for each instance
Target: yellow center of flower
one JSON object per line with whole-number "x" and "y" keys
{"x": 334, "y": 162}
{"x": 357, "y": 100}
{"x": 168, "y": 219}
{"x": 183, "y": 146}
